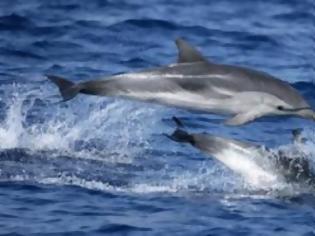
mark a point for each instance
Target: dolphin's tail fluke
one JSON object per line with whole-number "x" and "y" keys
{"x": 180, "y": 135}
{"x": 67, "y": 88}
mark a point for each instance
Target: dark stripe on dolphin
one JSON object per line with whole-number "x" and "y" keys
{"x": 294, "y": 109}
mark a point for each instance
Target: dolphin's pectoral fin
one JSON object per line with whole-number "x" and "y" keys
{"x": 187, "y": 53}
{"x": 243, "y": 118}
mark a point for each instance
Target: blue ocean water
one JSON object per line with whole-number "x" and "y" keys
{"x": 95, "y": 166}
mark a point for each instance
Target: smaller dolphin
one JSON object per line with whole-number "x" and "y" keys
{"x": 196, "y": 83}
{"x": 255, "y": 163}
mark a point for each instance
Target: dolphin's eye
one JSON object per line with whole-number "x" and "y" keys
{"x": 280, "y": 108}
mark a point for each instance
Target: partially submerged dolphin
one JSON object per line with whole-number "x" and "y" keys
{"x": 255, "y": 163}
{"x": 196, "y": 83}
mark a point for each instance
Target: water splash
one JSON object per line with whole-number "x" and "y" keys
{"x": 85, "y": 142}
{"x": 83, "y": 129}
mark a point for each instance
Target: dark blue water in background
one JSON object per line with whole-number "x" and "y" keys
{"x": 101, "y": 165}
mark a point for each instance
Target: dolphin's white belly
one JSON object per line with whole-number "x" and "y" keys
{"x": 182, "y": 99}
{"x": 221, "y": 103}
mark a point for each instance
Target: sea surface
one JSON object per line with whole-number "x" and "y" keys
{"x": 96, "y": 165}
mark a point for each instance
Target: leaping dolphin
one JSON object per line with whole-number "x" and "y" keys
{"x": 196, "y": 83}
{"x": 257, "y": 164}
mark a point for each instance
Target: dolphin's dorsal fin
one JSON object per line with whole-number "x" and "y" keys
{"x": 187, "y": 53}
